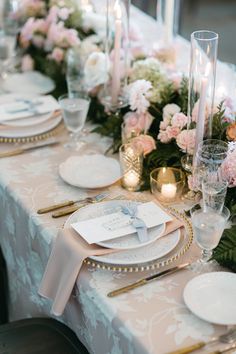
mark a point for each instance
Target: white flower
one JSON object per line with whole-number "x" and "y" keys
{"x": 95, "y": 21}
{"x": 138, "y": 94}
{"x": 169, "y": 110}
{"x": 96, "y": 70}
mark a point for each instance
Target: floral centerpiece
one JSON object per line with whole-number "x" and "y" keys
{"x": 156, "y": 116}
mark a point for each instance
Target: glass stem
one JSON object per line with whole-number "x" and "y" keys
{"x": 206, "y": 255}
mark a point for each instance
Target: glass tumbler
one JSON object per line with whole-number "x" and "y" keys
{"x": 131, "y": 161}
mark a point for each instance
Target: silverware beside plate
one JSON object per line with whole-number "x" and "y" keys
{"x": 147, "y": 280}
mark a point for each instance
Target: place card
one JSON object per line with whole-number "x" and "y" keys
{"x": 118, "y": 224}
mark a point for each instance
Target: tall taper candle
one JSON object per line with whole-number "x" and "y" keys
{"x": 169, "y": 20}
{"x": 117, "y": 52}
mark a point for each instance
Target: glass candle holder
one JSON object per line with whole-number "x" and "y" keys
{"x": 113, "y": 96}
{"x": 167, "y": 184}
{"x": 168, "y": 19}
{"x": 131, "y": 161}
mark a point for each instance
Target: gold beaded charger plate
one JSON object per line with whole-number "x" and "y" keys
{"x": 160, "y": 252}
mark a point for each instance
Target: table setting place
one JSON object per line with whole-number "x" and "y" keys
{"x": 133, "y": 170}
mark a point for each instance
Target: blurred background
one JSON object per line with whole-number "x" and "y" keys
{"x": 214, "y": 15}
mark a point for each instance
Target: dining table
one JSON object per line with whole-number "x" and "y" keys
{"x": 152, "y": 319}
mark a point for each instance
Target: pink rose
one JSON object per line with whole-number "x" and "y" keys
{"x": 137, "y": 122}
{"x": 164, "y": 124}
{"x": 228, "y": 168}
{"x": 163, "y": 137}
{"x": 179, "y": 120}
{"x": 186, "y": 140}
{"x": 146, "y": 142}
{"x": 172, "y": 132}
{"x": 27, "y": 63}
{"x": 57, "y": 55}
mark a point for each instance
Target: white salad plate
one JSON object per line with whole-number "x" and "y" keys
{"x": 132, "y": 252}
{"x": 90, "y": 171}
{"x": 212, "y": 297}
{"x": 32, "y": 82}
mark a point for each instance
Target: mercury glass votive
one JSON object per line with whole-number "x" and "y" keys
{"x": 131, "y": 162}
{"x": 167, "y": 184}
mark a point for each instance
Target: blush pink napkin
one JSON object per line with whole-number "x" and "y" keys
{"x": 66, "y": 259}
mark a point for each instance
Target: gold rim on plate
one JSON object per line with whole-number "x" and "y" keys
{"x": 183, "y": 246}
{"x": 29, "y": 139}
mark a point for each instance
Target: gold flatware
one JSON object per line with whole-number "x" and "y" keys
{"x": 22, "y": 150}
{"x": 70, "y": 210}
{"x": 226, "y": 350}
{"x": 66, "y": 203}
{"x": 228, "y": 337}
{"x": 147, "y": 280}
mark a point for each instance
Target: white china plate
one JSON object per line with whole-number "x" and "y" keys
{"x": 133, "y": 252}
{"x": 90, "y": 171}
{"x": 23, "y": 122}
{"x": 32, "y": 82}
{"x": 30, "y": 130}
{"x": 211, "y": 296}
{"x": 104, "y": 208}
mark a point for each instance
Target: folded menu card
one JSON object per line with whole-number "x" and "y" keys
{"x": 118, "y": 224}
{"x": 23, "y": 108}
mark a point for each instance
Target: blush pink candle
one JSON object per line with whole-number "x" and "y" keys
{"x": 117, "y": 50}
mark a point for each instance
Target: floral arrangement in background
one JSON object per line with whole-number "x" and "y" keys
{"x": 156, "y": 116}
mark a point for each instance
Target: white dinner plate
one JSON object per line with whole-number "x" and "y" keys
{"x": 23, "y": 122}
{"x": 105, "y": 208}
{"x": 212, "y": 297}
{"x": 90, "y": 171}
{"x": 30, "y": 130}
{"x": 133, "y": 252}
{"x": 32, "y": 82}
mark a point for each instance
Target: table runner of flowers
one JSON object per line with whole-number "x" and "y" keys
{"x": 157, "y": 94}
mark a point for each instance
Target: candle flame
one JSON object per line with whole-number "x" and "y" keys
{"x": 117, "y": 10}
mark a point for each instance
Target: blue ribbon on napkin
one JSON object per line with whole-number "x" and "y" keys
{"x": 136, "y": 222}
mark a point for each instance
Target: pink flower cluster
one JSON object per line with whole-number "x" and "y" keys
{"x": 228, "y": 168}
{"x": 173, "y": 122}
{"x": 50, "y": 33}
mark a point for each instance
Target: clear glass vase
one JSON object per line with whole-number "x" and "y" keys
{"x": 201, "y": 93}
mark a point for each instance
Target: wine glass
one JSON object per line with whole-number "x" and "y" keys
{"x": 214, "y": 189}
{"x": 211, "y": 154}
{"x": 208, "y": 227}
{"x": 74, "y": 111}
{"x": 11, "y": 27}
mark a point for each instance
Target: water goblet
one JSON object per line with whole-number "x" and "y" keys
{"x": 208, "y": 227}
{"x": 74, "y": 111}
{"x": 211, "y": 154}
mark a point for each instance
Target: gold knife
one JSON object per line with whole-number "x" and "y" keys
{"x": 228, "y": 349}
{"x": 22, "y": 150}
{"x": 147, "y": 280}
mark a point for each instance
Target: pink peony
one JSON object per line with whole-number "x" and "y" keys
{"x": 172, "y": 132}
{"x": 57, "y": 54}
{"x": 146, "y": 142}
{"x": 163, "y": 137}
{"x": 27, "y": 63}
{"x": 186, "y": 140}
{"x": 228, "y": 168}
{"x": 179, "y": 120}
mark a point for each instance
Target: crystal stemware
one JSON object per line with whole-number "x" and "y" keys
{"x": 208, "y": 227}
{"x": 74, "y": 111}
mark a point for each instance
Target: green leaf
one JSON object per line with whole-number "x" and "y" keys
{"x": 225, "y": 252}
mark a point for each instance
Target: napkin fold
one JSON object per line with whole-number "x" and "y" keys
{"x": 65, "y": 262}
{"x": 23, "y": 108}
